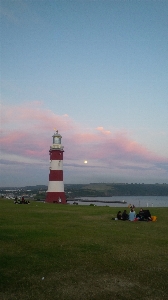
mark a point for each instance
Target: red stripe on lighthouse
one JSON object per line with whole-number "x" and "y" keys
{"x": 53, "y": 197}
{"x": 56, "y": 155}
{"x": 56, "y": 175}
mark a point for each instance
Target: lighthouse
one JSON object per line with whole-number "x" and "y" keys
{"x": 55, "y": 192}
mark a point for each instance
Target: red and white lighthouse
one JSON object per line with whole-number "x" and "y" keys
{"x": 55, "y": 192}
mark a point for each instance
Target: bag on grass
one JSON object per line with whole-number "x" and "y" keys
{"x": 154, "y": 218}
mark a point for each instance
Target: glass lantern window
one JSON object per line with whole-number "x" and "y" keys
{"x": 56, "y": 140}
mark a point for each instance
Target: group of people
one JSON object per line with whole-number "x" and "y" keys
{"x": 21, "y": 201}
{"x": 143, "y": 215}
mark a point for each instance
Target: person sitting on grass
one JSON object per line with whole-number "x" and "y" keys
{"x": 140, "y": 215}
{"x": 124, "y": 215}
{"x": 119, "y": 215}
{"x": 144, "y": 215}
{"x": 147, "y": 215}
{"x": 16, "y": 200}
{"x": 132, "y": 215}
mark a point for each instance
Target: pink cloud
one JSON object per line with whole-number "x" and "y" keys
{"x": 101, "y": 129}
{"x": 28, "y": 128}
{"x": 33, "y": 115}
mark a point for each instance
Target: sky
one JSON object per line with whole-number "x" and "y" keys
{"x": 95, "y": 70}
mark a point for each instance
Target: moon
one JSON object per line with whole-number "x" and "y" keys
{"x": 85, "y": 161}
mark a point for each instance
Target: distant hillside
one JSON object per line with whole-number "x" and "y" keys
{"x": 36, "y": 187}
{"x": 100, "y": 189}
{"x": 116, "y": 189}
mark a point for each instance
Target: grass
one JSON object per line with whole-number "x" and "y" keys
{"x": 75, "y": 252}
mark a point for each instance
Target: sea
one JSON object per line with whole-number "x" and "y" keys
{"x": 137, "y": 201}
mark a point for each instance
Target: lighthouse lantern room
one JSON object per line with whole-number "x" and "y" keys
{"x": 55, "y": 192}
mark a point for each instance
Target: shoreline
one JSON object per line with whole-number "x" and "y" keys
{"x": 99, "y": 201}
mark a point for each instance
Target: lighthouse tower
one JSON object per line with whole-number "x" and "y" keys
{"x": 55, "y": 193}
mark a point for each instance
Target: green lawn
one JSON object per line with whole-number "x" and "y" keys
{"x": 71, "y": 252}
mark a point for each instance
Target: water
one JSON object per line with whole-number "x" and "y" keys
{"x": 138, "y": 201}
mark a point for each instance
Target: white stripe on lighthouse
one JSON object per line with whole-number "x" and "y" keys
{"x": 55, "y": 186}
{"x": 56, "y": 165}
